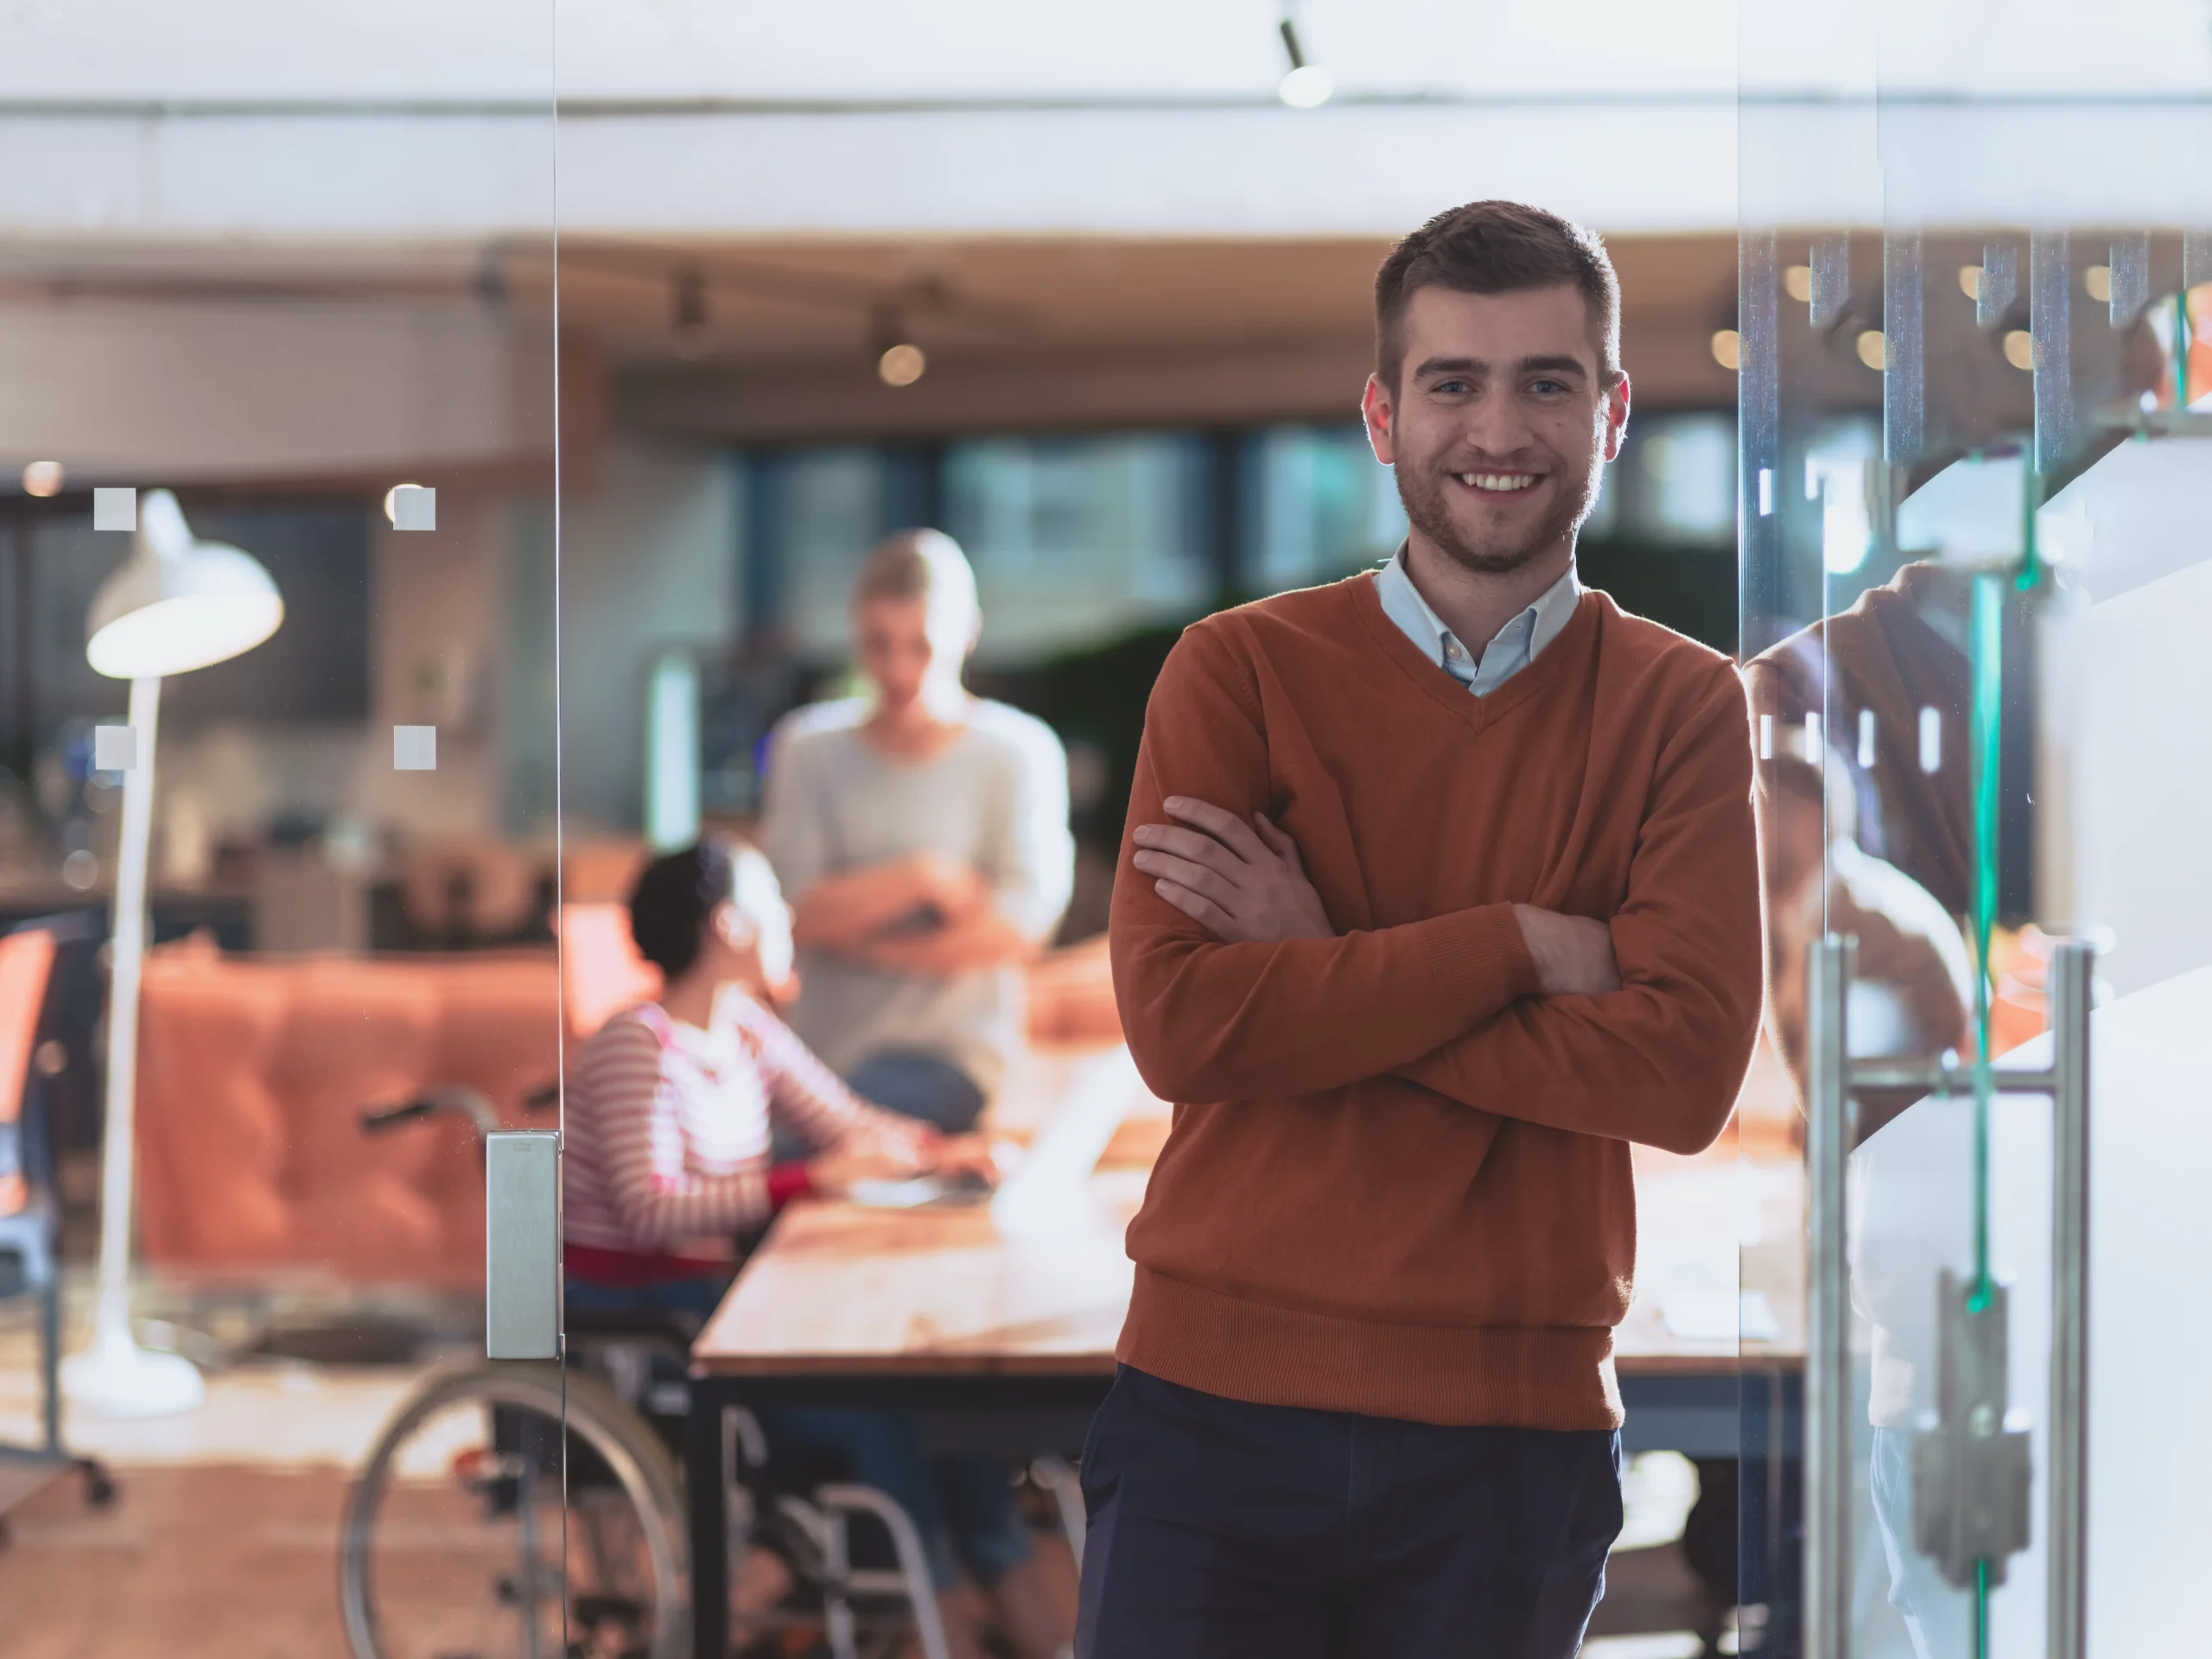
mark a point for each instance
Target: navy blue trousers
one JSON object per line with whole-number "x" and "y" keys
{"x": 1224, "y": 1530}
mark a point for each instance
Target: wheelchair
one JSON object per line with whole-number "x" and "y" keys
{"x": 526, "y": 1510}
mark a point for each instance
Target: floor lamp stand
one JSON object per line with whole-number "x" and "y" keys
{"x": 115, "y": 1377}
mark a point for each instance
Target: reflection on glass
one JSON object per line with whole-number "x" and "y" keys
{"x": 1964, "y": 648}
{"x": 276, "y": 572}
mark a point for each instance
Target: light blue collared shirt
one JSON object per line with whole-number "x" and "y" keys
{"x": 1515, "y": 646}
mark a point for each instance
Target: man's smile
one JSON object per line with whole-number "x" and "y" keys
{"x": 1498, "y": 483}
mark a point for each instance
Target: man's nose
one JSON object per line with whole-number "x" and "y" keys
{"x": 1496, "y": 426}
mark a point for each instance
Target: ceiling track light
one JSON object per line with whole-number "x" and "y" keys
{"x": 1305, "y": 85}
{"x": 898, "y": 361}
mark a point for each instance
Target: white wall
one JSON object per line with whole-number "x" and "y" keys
{"x": 2125, "y": 777}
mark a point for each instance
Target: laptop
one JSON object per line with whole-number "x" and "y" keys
{"x": 1053, "y": 1178}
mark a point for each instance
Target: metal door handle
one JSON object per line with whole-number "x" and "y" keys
{"x": 1833, "y": 1082}
{"x": 522, "y": 1244}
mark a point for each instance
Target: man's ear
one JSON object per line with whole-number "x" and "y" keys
{"x": 1375, "y": 411}
{"x": 1616, "y": 417}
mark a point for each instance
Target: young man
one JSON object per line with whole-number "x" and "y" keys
{"x": 1441, "y": 889}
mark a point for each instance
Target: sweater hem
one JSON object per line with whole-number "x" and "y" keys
{"x": 1555, "y": 1377}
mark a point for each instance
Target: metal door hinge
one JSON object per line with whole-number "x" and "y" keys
{"x": 1970, "y": 1472}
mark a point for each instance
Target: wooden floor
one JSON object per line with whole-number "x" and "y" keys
{"x": 190, "y": 1563}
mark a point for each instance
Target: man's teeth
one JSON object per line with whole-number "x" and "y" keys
{"x": 1496, "y": 480}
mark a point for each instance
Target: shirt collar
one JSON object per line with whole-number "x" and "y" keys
{"x": 1543, "y": 621}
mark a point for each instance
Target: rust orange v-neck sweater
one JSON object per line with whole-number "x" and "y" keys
{"x": 1398, "y": 1181}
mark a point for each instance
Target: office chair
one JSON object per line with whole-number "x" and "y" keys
{"x": 29, "y": 1217}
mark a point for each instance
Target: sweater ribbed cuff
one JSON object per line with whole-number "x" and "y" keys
{"x": 1480, "y": 960}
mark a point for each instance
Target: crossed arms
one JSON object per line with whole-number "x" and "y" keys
{"x": 925, "y": 913}
{"x": 861, "y": 914}
{"x": 1235, "y": 984}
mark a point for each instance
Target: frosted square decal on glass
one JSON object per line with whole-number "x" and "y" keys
{"x": 115, "y": 748}
{"x": 415, "y": 506}
{"x": 415, "y": 748}
{"x": 115, "y": 509}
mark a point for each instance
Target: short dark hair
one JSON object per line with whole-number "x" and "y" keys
{"x": 1496, "y": 247}
{"x": 673, "y": 898}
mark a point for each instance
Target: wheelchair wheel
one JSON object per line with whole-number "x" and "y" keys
{"x": 515, "y": 1512}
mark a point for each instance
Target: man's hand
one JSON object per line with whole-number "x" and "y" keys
{"x": 1241, "y": 882}
{"x": 1574, "y": 954}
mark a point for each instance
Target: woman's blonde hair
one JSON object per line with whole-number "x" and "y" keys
{"x": 923, "y": 564}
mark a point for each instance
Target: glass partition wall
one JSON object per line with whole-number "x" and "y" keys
{"x": 1975, "y": 452}
{"x": 279, "y": 832}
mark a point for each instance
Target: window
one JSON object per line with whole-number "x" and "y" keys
{"x": 1077, "y": 539}
{"x": 1322, "y": 507}
{"x": 826, "y": 509}
{"x": 1680, "y": 483}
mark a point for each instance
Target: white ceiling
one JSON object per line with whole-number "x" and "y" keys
{"x": 872, "y": 49}
{"x": 380, "y": 120}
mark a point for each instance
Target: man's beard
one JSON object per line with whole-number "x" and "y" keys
{"x": 1423, "y": 493}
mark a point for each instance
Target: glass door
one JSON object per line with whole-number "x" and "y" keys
{"x": 1973, "y": 444}
{"x": 279, "y": 861}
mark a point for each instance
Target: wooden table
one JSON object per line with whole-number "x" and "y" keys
{"x": 842, "y": 1291}
{"x": 1007, "y": 1342}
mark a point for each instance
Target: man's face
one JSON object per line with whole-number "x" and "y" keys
{"x": 892, "y": 639}
{"x": 906, "y": 645}
{"x": 1500, "y": 421}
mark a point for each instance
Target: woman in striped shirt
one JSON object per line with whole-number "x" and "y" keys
{"x": 669, "y": 1110}
{"x": 667, "y": 1160}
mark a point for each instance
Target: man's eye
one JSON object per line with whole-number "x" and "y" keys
{"x": 1453, "y": 388}
{"x": 1547, "y": 388}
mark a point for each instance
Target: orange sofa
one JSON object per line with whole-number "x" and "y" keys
{"x": 252, "y": 1073}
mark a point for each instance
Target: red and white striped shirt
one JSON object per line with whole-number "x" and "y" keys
{"x": 664, "y": 1142}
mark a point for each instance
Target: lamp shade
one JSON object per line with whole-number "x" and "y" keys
{"x": 177, "y": 603}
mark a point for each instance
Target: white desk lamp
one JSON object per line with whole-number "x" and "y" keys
{"x": 177, "y": 604}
